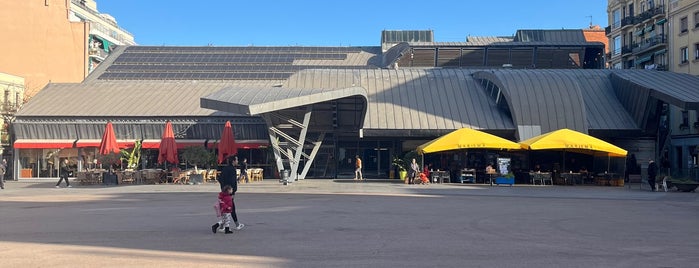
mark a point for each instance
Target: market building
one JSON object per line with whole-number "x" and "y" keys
{"x": 311, "y": 109}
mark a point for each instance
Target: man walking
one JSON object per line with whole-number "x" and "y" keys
{"x": 652, "y": 172}
{"x": 63, "y": 173}
{"x": 358, "y": 170}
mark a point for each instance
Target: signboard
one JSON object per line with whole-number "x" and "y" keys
{"x": 503, "y": 165}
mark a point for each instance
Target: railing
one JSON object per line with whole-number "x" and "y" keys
{"x": 80, "y": 4}
{"x": 650, "y": 13}
{"x": 627, "y": 49}
{"x": 628, "y": 21}
{"x": 649, "y": 42}
{"x": 97, "y": 52}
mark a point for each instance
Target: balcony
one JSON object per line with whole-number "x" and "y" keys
{"x": 97, "y": 53}
{"x": 628, "y": 21}
{"x": 627, "y": 49}
{"x": 659, "y": 10}
{"x": 607, "y": 30}
{"x": 649, "y": 43}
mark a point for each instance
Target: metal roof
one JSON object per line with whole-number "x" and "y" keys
{"x": 550, "y": 36}
{"x": 228, "y": 63}
{"x": 255, "y": 101}
{"x": 554, "y": 99}
{"x": 414, "y": 99}
{"x": 681, "y": 90}
{"x": 127, "y": 98}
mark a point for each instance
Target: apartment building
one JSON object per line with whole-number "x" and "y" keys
{"x": 638, "y": 34}
{"x": 104, "y": 32}
{"x": 683, "y": 33}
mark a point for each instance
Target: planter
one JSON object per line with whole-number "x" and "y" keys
{"x": 686, "y": 187}
{"x": 504, "y": 180}
{"x": 402, "y": 174}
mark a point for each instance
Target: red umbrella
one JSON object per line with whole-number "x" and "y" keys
{"x": 168, "y": 147}
{"x": 108, "y": 144}
{"x": 226, "y": 147}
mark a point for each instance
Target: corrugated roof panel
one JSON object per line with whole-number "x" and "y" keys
{"x": 418, "y": 98}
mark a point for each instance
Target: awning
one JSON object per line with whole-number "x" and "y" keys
{"x": 43, "y": 144}
{"x": 242, "y": 144}
{"x": 660, "y": 52}
{"x": 661, "y": 21}
{"x": 85, "y": 143}
{"x": 181, "y": 144}
{"x": 643, "y": 59}
{"x": 466, "y": 138}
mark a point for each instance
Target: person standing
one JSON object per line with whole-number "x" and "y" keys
{"x": 63, "y": 173}
{"x": 358, "y": 168}
{"x": 244, "y": 170}
{"x": 652, "y": 172}
{"x": 228, "y": 176}
{"x": 3, "y": 169}
{"x": 414, "y": 171}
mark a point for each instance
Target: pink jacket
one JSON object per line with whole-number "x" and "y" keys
{"x": 226, "y": 202}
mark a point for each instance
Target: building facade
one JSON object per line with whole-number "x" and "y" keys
{"x": 676, "y": 49}
{"x": 104, "y": 31}
{"x": 684, "y": 36}
{"x": 317, "y": 107}
{"x": 638, "y": 34}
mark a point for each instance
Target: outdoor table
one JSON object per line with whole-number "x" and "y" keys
{"x": 570, "y": 178}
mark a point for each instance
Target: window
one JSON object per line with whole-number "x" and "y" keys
{"x": 696, "y": 19}
{"x": 617, "y": 45}
{"x": 616, "y": 18}
{"x": 683, "y": 25}
{"x": 696, "y": 51}
{"x": 684, "y": 55}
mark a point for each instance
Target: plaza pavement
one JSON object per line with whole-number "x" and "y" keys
{"x": 324, "y": 223}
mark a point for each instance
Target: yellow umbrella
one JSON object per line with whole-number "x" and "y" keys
{"x": 571, "y": 140}
{"x": 466, "y": 138}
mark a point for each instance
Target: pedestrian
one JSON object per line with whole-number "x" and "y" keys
{"x": 3, "y": 169}
{"x": 414, "y": 171}
{"x": 228, "y": 175}
{"x": 225, "y": 203}
{"x": 63, "y": 173}
{"x": 244, "y": 170}
{"x": 358, "y": 168}
{"x": 652, "y": 172}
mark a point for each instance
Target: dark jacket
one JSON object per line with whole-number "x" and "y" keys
{"x": 652, "y": 170}
{"x": 64, "y": 170}
{"x": 229, "y": 177}
{"x": 226, "y": 202}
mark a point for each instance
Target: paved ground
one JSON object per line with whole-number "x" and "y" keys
{"x": 320, "y": 223}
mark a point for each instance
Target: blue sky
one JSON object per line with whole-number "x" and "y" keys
{"x": 339, "y": 23}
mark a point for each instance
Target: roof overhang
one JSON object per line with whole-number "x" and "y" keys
{"x": 257, "y": 101}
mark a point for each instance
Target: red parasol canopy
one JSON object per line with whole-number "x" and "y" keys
{"x": 226, "y": 147}
{"x": 168, "y": 147}
{"x": 108, "y": 144}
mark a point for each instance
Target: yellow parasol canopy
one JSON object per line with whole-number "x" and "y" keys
{"x": 466, "y": 138}
{"x": 571, "y": 140}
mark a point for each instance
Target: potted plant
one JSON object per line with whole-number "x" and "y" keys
{"x": 400, "y": 164}
{"x": 197, "y": 156}
{"x": 684, "y": 184}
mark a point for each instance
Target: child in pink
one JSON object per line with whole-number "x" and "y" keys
{"x": 225, "y": 202}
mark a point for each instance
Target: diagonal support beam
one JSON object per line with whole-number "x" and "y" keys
{"x": 316, "y": 147}
{"x": 302, "y": 137}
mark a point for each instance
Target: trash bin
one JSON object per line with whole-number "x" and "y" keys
{"x": 285, "y": 177}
